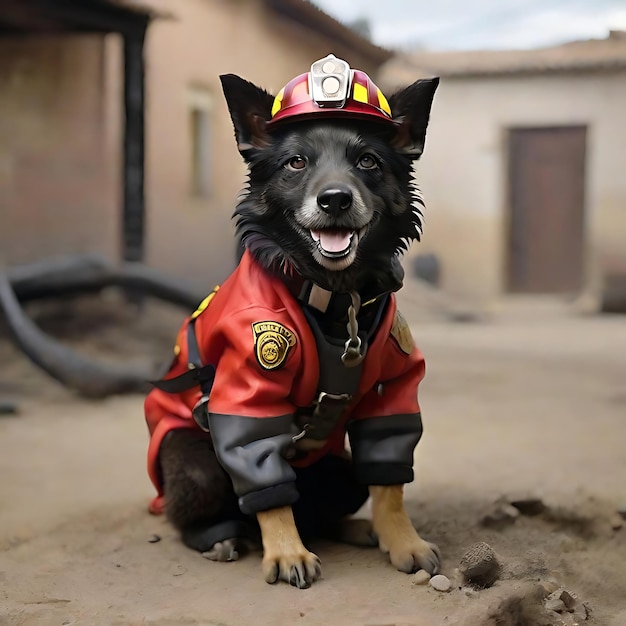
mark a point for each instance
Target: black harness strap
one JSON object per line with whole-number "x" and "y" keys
{"x": 197, "y": 375}
{"x": 202, "y": 376}
{"x": 338, "y": 382}
{"x": 193, "y": 350}
{"x": 336, "y": 386}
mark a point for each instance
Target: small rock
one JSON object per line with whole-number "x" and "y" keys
{"x": 556, "y": 618}
{"x": 440, "y": 583}
{"x": 501, "y": 515}
{"x": 154, "y": 539}
{"x": 421, "y": 577}
{"x": 581, "y": 612}
{"x": 568, "y": 599}
{"x": 555, "y": 604}
{"x": 471, "y": 593}
{"x": 549, "y": 586}
{"x": 479, "y": 565}
{"x": 561, "y": 600}
{"x": 529, "y": 506}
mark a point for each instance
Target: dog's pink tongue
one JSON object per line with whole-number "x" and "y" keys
{"x": 333, "y": 240}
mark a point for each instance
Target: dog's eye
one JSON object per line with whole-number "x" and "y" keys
{"x": 296, "y": 163}
{"x": 367, "y": 162}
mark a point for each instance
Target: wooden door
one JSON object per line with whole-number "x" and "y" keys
{"x": 546, "y": 200}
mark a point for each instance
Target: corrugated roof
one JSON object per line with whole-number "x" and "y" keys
{"x": 591, "y": 54}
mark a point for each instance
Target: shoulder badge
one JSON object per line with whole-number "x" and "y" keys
{"x": 272, "y": 342}
{"x": 401, "y": 332}
{"x": 205, "y": 303}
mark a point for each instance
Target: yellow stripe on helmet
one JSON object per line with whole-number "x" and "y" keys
{"x": 360, "y": 93}
{"x": 278, "y": 101}
{"x": 384, "y": 105}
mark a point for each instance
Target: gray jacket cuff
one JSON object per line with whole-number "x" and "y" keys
{"x": 383, "y": 447}
{"x": 269, "y": 498}
{"x": 251, "y": 450}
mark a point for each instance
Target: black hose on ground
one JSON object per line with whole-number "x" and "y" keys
{"x": 90, "y": 379}
{"x": 69, "y": 276}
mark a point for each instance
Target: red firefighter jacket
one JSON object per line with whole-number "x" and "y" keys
{"x": 253, "y": 330}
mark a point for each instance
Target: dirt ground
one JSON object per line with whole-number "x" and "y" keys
{"x": 530, "y": 400}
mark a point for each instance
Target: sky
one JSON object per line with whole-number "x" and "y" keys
{"x": 476, "y": 24}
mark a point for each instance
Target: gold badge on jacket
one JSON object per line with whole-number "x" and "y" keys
{"x": 401, "y": 332}
{"x": 272, "y": 342}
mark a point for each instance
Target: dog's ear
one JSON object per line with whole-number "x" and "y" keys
{"x": 250, "y": 109}
{"x": 411, "y": 108}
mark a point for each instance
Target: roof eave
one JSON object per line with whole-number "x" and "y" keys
{"x": 527, "y": 70}
{"x": 310, "y": 16}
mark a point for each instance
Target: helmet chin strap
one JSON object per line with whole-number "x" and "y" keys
{"x": 353, "y": 353}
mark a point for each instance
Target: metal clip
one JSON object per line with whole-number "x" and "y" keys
{"x": 352, "y": 354}
{"x": 200, "y": 413}
{"x": 331, "y": 400}
{"x": 327, "y": 410}
{"x": 301, "y": 434}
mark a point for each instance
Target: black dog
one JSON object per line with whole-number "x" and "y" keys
{"x": 303, "y": 343}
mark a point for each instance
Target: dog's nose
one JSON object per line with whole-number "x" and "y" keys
{"x": 335, "y": 199}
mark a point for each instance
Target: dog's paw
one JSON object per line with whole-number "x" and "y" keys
{"x": 299, "y": 569}
{"x": 416, "y": 554}
{"x": 223, "y": 551}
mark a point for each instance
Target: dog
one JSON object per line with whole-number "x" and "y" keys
{"x": 303, "y": 343}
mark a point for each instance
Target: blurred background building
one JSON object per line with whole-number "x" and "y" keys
{"x": 522, "y": 167}
{"x": 522, "y": 172}
{"x": 62, "y": 112}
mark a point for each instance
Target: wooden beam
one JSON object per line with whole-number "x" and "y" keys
{"x": 133, "y": 216}
{"x": 92, "y": 15}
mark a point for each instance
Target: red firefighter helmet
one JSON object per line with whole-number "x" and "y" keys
{"x": 331, "y": 89}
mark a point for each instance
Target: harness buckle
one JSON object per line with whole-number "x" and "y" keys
{"x": 331, "y": 401}
{"x": 352, "y": 355}
{"x": 322, "y": 416}
{"x": 200, "y": 412}
{"x": 301, "y": 434}
{"x": 327, "y": 409}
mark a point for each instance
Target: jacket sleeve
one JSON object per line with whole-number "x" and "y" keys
{"x": 386, "y": 424}
{"x": 251, "y": 415}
